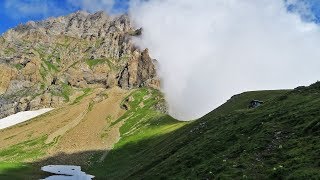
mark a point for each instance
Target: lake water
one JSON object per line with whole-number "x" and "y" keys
{"x": 66, "y": 172}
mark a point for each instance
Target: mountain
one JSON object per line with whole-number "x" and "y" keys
{"x": 111, "y": 119}
{"x": 87, "y": 68}
{"x": 43, "y": 64}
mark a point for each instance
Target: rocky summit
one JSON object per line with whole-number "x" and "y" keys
{"x": 43, "y": 64}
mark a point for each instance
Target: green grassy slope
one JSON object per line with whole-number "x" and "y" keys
{"x": 280, "y": 139}
{"x": 13, "y": 159}
{"x": 142, "y": 121}
{"x": 12, "y": 171}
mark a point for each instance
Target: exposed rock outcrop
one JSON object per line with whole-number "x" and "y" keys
{"x": 6, "y": 75}
{"x": 139, "y": 71}
{"x": 43, "y": 63}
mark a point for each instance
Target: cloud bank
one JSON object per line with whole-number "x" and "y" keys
{"x": 209, "y": 50}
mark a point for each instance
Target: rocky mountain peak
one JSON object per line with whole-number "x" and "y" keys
{"x": 80, "y": 24}
{"x": 44, "y": 63}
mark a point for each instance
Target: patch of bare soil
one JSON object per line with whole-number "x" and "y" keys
{"x": 39, "y": 126}
{"x": 74, "y": 128}
{"x": 87, "y": 135}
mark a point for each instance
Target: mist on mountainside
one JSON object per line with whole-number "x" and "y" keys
{"x": 210, "y": 50}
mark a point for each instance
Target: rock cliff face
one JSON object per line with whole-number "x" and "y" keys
{"x": 42, "y": 64}
{"x": 139, "y": 71}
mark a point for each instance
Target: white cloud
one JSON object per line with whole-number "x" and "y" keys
{"x": 208, "y": 50}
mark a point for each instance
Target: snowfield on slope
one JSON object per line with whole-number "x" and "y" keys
{"x": 21, "y": 117}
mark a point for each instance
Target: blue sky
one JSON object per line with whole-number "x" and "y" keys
{"x": 14, "y": 12}
{"x": 313, "y": 6}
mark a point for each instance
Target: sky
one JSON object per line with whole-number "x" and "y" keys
{"x": 14, "y": 12}
{"x": 208, "y": 50}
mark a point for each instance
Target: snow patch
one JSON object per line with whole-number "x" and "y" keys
{"x": 21, "y": 117}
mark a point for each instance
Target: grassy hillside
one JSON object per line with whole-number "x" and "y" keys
{"x": 82, "y": 132}
{"x": 278, "y": 140}
{"x": 141, "y": 122}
